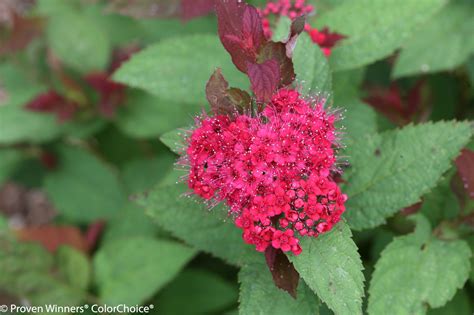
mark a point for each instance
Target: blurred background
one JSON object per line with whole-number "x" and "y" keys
{"x": 78, "y": 148}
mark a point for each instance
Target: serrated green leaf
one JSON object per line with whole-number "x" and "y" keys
{"x": 177, "y": 69}
{"x": 174, "y": 140}
{"x": 359, "y": 119}
{"x": 205, "y": 292}
{"x": 311, "y": 67}
{"x": 376, "y": 32}
{"x": 78, "y": 41}
{"x": 332, "y": 268}
{"x": 130, "y": 271}
{"x": 346, "y": 85}
{"x": 190, "y": 220}
{"x": 392, "y": 170}
{"x": 83, "y": 188}
{"x": 259, "y": 295}
{"x": 443, "y": 43}
{"x": 459, "y": 305}
{"x": 417, "y": 270}
{"x": 147, "y": 116}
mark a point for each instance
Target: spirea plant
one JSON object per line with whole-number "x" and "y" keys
{"x": 231, "y": 156}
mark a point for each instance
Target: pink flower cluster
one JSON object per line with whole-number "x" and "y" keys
{"x": 273, "y": 171}
{"x": 293, "y": 9}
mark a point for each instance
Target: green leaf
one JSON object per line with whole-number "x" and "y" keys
{"x": 417, "y": 270}
{"x": 190, "y": 220}
{"x": 205, "y": 293}
{"x": 78, "y": 41}
{"x": 140, "y": 175}
{"x": 311, "y": 67}
{"x": 147, "y": 116}
{"x": 34, "y": 127}
{"x": 359, "y": 119}
{"x": 28, "y": 271}
{"x": 443, "y": 43}
{"x": 376, "y": 32}
{"x": 174, "y": 140}
{"x": 282, "y": 30}
{"x": 130, "y": 271}
{"x": 177, "y": 69}
{"x": 332, "y": 268}
{"x": 459, "y": 305}
{"x": 9, "y": 160}
{"x": 347, "y": 85}
{"x": 74, "y": 267}
{"x": 83, "y": 188}
{"x": 259, "y": 295}
{"x": 392, "y": 170}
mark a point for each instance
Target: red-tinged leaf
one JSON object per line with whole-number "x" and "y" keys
{"x": 145, "y": 8}
{"x": 283, "y": 272}
{"x": 240, "y": 31}
{"x": 52, "y": 237}
{"x": 93, "y": 234}
{"x": 412, "y": 209}
{"x": 465, "y": 166}
{"x": 277, "y": 52}
{"x": 112, "y": 94}
{"x": 24, "y": 30}
{"x": 264, "y": 78}
{"x": 52, "y": 102}
{"x": 194, "y": 8}
{"x": 121, "y": 55}
{"x": 225, "y": 101}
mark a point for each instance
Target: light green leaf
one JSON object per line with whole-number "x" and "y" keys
{"x": 374, "y": 28}
{"x": 78, "y": 41}
{"x": 83, "y": 188}
{"x": 177, "y": 69}
{"x": 190, "y": 220}
{"x": 205, "y": 293}
{"x": 282, "y": 30}
{"x": 74, "y": 267}
{"x": 174, "y": 140}
{"x": 459, "y": 305}
{"x": 259, "y": 295}
{"x": 311, "y": 67}
{"x": 147, "y": 116}
{"x": 417, "y": 270}
{"x": 130, "y": 271}
{"x": 332, "y": 268}
{"x": 359, "y": 119}
{"x": 443, "y": 43}
{"x": 392, "y": 170}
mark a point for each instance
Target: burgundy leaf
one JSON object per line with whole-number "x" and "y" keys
{"x": 414, "y": 208}
{"x": 465, "y": 166}
{"x": 225, "y": 101}
{"x": 23, "y": 31}
{"x": 264, "y": 78}
{"x": 52, "y": 237}
{"x": 194, "y": 8}
{"x": 111, "y": 93}
{"x": 93, "y": 234}
{"x": 52, "y": 102}
{"x": 283, "y": 272}
{"x": 277, "y": 52}
{"x": 240, "y": 31}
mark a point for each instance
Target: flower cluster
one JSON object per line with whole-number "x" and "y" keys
{"x": 324, "y": 38}
{"x": 274, "y": 171}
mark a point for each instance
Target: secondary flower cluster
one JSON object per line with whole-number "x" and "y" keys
{"x": 324, "y": 38}
{"x": 273, "y": 171}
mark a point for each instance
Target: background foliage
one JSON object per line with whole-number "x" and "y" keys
{"x": 91, "y": 211}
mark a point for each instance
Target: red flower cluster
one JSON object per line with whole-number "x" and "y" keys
{"x": 273, "y": 171}
{"x": 325, "y": 39}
